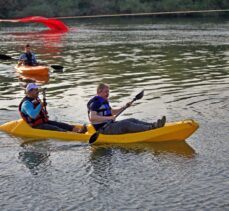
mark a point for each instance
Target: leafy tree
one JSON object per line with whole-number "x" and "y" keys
{"x": 55, "y": 8}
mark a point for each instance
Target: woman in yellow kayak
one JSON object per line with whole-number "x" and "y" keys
{"x": 33, "y": 111}
{"x": 28, "y": 57}
{"x": 100, "y": 113}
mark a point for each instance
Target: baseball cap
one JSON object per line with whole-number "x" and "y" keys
{"x": 31, "y": 86}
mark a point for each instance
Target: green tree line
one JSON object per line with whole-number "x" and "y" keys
{"x": 57, "y": 8}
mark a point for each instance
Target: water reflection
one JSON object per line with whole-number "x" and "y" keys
{"x": 101, "y": 162}
{"x": 50, "y": 38}
{"x": 177, "y": 148}
{"x": 104, "y": 159}
{"x": 39, "y": 79}
{"x": 181, "y": 149}
{"x": 34, "y": 157}
{"x": 48, "y": 44}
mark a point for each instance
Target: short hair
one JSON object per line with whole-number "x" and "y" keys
{"x": 27, "y": 46}
{"x": 101, "y": 86}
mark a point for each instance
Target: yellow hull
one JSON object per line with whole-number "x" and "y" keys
{"x": 176, "y": 131}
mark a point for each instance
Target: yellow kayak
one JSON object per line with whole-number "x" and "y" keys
{"x": 175, "y": 131}
{"x": 32, "y": 70}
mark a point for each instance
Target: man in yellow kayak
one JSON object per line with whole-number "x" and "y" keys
{"x": 100, "y": 113}
{"x": 33, "y": 111}
{"x": 28, "y": 57}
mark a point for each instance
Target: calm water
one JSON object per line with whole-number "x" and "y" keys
{"x": 182, "y": 64}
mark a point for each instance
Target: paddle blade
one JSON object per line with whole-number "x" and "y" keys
{"x": 5, "y": 57}
{"x": 57, "y": 67}
{"x": 139, "y": 95}
{"x": 94, "y": 137}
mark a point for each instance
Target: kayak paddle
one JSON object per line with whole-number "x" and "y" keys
{"x": 6, "y": 57}
{"x": 44, "y": 98}
{"x": 94, "y": 137}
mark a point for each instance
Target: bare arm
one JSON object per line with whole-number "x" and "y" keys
{"x": 20, "y": 62}
{"x": 94, "y": 117}
{"x": 116, "y": 111}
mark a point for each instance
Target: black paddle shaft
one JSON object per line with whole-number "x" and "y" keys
{"x": 54, "y": 66}
{"x": 44, "y": 97}
{"x": 94, "y": 137}
{"x": 137, "y": 97}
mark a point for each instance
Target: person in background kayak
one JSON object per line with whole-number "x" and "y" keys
{"x": 33, "y": 111}
{"x": 28, "y": 57}
{"x": 100, "y": 112}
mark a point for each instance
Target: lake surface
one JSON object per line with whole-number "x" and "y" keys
{"x": 183, "y": 66}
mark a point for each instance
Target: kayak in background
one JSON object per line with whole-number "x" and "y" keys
{"x": 32, "y": 70}
{"x": 175, "y": 131}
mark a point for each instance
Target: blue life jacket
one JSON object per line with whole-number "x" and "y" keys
{"x": 104, "y": 109}
{"x": 29, "y": 59}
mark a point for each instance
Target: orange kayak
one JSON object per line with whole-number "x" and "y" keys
{"x": 42, "y": 79}
{"x": 32, "y": 70}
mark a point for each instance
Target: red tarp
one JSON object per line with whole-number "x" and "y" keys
{"x": 52, "y": 23}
